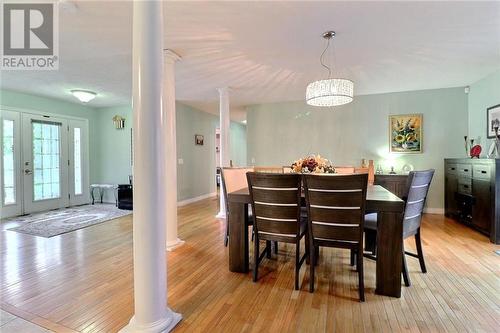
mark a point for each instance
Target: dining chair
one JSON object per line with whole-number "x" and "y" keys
{"x": 417, "y": 189}
{"x": 233, "y": 179}
{"x": 268, "y": 169}
{"x": 336, "y": 209}
{"x": 276, "y": 201}
{"x": 345, "y": 170}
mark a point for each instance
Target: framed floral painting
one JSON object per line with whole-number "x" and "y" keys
{"x": 405, "y": 133}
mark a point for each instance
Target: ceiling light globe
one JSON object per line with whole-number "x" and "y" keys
{"x": 84, "y": 96}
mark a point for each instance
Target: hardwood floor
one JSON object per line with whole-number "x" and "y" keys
{"x": 82, "y": 281}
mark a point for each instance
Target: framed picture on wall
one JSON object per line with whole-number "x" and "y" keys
{"x": 493, "y": 121}
{"x": 405, "y": 133}
{"x": 198, "y": 140}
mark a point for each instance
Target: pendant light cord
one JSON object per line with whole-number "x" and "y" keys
{"x": 321, "y": 59}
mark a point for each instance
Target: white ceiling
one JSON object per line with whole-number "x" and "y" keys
{"x": 268, "y": 51}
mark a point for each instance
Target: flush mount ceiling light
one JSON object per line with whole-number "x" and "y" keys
{"x": 84, "y": 96}
{"x": 331, "y": 91}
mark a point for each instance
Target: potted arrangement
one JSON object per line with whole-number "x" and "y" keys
{"x": 312, "y": 164}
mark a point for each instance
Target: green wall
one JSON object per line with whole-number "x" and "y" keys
{"x": 27, "y": 102}
{"x": 196, "y": 176}
{"x": 238, "y": 142}
{"x": 279, "y": 133}
{"x": 483, "y": 94}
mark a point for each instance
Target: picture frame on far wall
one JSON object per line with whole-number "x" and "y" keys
{"x": 406, "y": 133}
{"x": 198, "y": 139}
{"x": 492, "y": 120}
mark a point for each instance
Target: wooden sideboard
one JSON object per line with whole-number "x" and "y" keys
{"x": 394, "y": 183}
{"x": 472, "y": 192}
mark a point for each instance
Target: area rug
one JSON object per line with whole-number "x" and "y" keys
{"x": 61, "y": 221}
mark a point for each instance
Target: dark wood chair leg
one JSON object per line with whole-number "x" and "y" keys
{"x": 275, "y": 247}
{"x": 268, "y": 249}
{"x": 316, "y": 255}
{"x": 352, "y": 257}
{"x": 297, "y": 264}
{"x": 361, "y": 282}
{"x": 312, "y": 260}
{"x": 406, "y": 276}
{"x": 226, "y": 237}
{"x": 256, "y": 258}
{"x": 307, "y": 245}
{"x": 420, "y": 253}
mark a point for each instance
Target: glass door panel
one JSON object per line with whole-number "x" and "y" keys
{"x": 46, "y": 160}
{"x": 78, "y": 170}
{"x": 10, "y": 180}
{"x": 9, "y": 186}
{"x": 77, "y": 160}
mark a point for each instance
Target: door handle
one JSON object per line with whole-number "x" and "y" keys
{"x": 28, "y": 172}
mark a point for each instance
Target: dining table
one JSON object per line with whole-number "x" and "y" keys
{"x": 389, "y": 258}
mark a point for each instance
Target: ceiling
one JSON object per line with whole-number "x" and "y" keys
{"x": 269, "y": 51}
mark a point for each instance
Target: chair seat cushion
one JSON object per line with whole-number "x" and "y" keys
{"x": 371, "y": 221}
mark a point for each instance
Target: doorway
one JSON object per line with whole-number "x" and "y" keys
{"x": 44, "y": 163}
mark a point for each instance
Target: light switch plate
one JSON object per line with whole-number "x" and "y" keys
{"x": 181, "y": 161}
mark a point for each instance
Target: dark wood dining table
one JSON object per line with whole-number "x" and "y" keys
{"x": 389, "y": 236}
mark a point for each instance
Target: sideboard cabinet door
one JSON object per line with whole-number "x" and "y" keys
{"x": 482, "y": 208}
{"x": 451, "y": 188}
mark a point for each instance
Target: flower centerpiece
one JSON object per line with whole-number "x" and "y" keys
{"x": 312, "y": 164}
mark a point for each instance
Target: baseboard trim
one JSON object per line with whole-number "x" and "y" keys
{"x": 439, "y": 211}
{"x": 195, "y": 199}
{"x": 180, "y": 203}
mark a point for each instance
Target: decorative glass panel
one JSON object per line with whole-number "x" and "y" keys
{"x": 46, "y": 161}
{"x": 9, "y": 184}
{"x": 77, "y": 161}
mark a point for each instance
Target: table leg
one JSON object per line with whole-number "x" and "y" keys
{"x": 389, "y": 254}
{"x": 102, "y": 193}
{"x": 92, "y": 194}
{"x": 238, "y": 237}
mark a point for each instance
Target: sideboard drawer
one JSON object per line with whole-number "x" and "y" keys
{"x": 481, "y": 172}
{"x": 451, "y": 169}
{"x": 465, "y": 170}
{"x": 464, "y": 188}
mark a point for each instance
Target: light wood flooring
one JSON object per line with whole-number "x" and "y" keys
{"x": 82, "y": 281}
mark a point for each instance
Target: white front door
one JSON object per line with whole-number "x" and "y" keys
{"x": 45, "y": 163}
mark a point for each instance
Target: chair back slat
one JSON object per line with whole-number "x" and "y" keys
{"x": 275, "y": 202}
{"x": 419, "y": 183}
{"x": 336, "y": 206}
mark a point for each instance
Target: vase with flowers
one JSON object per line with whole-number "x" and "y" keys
{"x": 312, "y": 164}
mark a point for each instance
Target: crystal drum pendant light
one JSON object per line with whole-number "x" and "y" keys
{"x": 329, "y": 92}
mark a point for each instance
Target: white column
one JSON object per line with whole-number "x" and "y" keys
{"x": 170, "y": 58}
{"x": 150, "y": 272}
{"x": 225, "y": 147}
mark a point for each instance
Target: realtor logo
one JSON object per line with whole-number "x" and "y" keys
{"x": 30, "y": 36}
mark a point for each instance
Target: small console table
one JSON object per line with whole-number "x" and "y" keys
{"x": 101, "y": 188}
